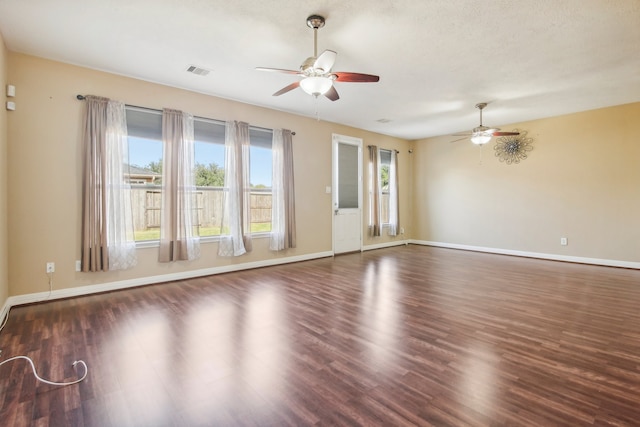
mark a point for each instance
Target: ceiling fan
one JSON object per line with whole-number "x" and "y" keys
{"x": 316, "y": 70}
{"x": 482, "y": 134}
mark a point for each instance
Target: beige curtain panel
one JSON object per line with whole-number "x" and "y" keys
{"x": 178, "y": 238}
{"x": 289, "y": 191}
{"x": 374, "y": 191}
{"x": 95, "y": 254}
{"x": 108, "y": 241}
{"x": 283, "y": 217}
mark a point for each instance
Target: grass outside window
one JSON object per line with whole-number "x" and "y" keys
{"x": 154, "y": 233}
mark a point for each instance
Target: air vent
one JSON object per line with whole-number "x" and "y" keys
{"x": 383, "y": 120}
{"x": 198, "y": 70}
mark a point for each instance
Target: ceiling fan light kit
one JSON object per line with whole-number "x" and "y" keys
{"x": 480, "y": 138}
{"x": 316, "y": 73}
{"x": 316, "y": 85}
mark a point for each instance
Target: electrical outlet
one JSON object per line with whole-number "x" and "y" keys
{"x": 401, "y": 230}
{"x": 78, "y": 265}
{"x": 563, "y": 241}
{"x": 51, "y": 267}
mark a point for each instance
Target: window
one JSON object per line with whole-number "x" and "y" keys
{"x": 144, "y": 128}
{"x": 209, "y": 165}
{"x": 260, "y": 174}
{"x": 385, "y": 163}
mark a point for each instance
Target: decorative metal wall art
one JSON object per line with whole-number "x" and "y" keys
{"x": 512, "y": 149}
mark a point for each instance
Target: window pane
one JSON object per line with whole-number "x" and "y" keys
{"x": 385, "y": 163}
{"x": 144, "y": 128}
{"x": 261, "y": 167}
{"x": 145, "y": 175}
{"x": 260, "y": 176}
{"x": 209, "y": 175}
{"x": 347, "y": 176}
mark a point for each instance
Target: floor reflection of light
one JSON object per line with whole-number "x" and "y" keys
{"x": 369, "y": 282}
{"x": 234, "y": 347}
{"x": 478, "y": 375}
{"x": 264, "y": 342}
{"x": 142, "y": 353}
{"x": 209, "y": 352}
{"x": 381, "y": 311}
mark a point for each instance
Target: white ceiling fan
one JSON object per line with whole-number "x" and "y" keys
{"x": 318, "y": 78}
{"x": 482, "y": 134}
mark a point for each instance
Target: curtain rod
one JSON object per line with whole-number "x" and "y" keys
{"x": 83, "y": 97}
{"x": 397, "y": 152}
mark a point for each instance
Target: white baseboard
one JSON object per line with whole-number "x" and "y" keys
{"x": 4, "y": 311}
{"x": 385, "y": 245}
{"x": 553, "y": 257}
{"x": 149, "y": 280}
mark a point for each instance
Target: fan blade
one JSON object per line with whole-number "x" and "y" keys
{"x": 459, "y": 139}
{"x": 505, "y": 133}
{"x": 484, "y": 129}
{"x": 332, "y": 94}
{"x": 462, "y": 134}
{"x": 278, "y": 70}
{"x": 287, "y": 88}
{"x": 325, "y": 61}
{"x": 343, "y": 76}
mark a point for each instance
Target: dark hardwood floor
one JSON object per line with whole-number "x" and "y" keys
{"x": 394, "y": 337}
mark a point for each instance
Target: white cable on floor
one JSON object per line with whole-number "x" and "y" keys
{"x": 28, "y": 359}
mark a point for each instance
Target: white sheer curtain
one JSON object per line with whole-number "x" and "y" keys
{"x": 120, "y": 235}
{"x": 235, "y": 232}
{"x": 393, "y": 194}
{"x": 283, "y": 215}
{"x": 178, "y": 237}
{"x": 107, "y": 219}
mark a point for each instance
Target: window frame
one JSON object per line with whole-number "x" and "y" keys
{"x": 147, "y": 124}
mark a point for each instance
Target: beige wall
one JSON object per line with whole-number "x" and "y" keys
{"x": 4, "y": 241}
{"x": 581, "y": 181}
{"x": 45, "y": 172}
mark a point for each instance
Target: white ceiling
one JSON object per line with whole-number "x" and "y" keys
{"x": 436, "y": 59}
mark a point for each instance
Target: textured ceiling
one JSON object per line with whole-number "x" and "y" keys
{"x": 436, "y": 59}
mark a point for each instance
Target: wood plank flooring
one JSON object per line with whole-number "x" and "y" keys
{"x": 393, "y": 337}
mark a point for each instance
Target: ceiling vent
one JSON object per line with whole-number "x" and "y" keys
{"x": 383, "y": 120}
{"x": 198, "y": 70}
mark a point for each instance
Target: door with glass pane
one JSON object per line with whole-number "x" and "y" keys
{"x": 347, "y": 194}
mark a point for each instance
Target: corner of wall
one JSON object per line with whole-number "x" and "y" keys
{"x": 4, "y": 239}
